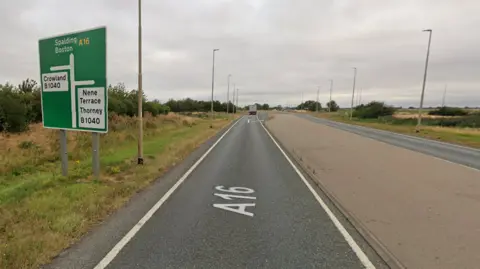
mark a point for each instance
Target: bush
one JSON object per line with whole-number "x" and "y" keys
{"x": 333, "y": 106}
{"x": 21, "y": 105}
{"x": 310, "y": 105}
{"x": 470, "y": 121}
{"x": 13, "y": 115}
{"x": 373, "y": 110}
{"x": 448, "y": 111}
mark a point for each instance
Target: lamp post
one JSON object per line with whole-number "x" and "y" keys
{"x": 424, "y": 81}
{"x": 228, "y": 91}
{"x": 353, "y": 92}
{"x": 234, "y": 110}
{"x": 140, "y": 91}
{"x": 213, "y": 85}
{"x": 237, "y": 99}
{"x": 331, "y": 87}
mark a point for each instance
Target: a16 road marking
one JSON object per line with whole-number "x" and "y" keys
{"x": 240, "y": 208}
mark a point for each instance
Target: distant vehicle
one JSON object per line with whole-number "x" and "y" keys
{"x": 252, "y": 110}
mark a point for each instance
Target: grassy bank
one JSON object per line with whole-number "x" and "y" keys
{"x": 462, "y": 136}
{"x": 43, "y": 212}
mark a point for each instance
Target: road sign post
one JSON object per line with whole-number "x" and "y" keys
{"x": 74, "y": 82}
{"x": 63, "y": 151}
{"x": 96, "y": 154}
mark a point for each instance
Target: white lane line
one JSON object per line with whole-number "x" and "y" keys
{"x": 121, "y": 244}
{"x": 358, "y": 251}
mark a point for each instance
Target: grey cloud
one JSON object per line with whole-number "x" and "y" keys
{"x": 275, "y": 49}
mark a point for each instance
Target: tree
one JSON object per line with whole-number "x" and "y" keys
{"x": 122, "y": 101}
{"x": 153, "y": 107}
{"x": 27, "y": 85}
{"x": 310, "y": 105}
{"x": 21, "y": 105}
{"x": 373, "y": 110}
{"x": 333, "y": 106}
{"x": 231, "y": 107}
{"x": 12, "y": 115}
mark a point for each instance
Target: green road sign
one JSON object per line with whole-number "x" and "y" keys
{"x": 73, "y": 70}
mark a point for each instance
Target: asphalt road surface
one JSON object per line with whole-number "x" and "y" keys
{"x": 245, "y": 205}
{"x": 450, "y": 152}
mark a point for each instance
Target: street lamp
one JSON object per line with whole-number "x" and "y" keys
{"x": 228, "y": 92}
{"x": 360, "y": 96}
{"x": 318, "y": 92}
{"x": 234, "y": 110}
{"x": 424, "y": 81}
{"x": 353, "y": 92}
{"x": 140, "y": 93}
{"x": 237, "y": 99}
{"x": 213, "y": 85}
{"x": 331, "y": 87}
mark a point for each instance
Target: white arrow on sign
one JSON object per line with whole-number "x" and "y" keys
{"x": 73, "y": 85}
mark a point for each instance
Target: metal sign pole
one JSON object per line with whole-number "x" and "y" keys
{"x": 63, "y": 152}
{"x": 96, "y": 154}
{"x": 74, "y": 94}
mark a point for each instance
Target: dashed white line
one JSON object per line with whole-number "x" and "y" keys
{"x": 121, "y": 244}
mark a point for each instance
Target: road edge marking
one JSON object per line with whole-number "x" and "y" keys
{"x": 397, "y": 146}
{"x": 351, "y": 242}
{"x": 408, "y": 136}
{"x": 127, "y": 237}
{"x": 400, "y": 134}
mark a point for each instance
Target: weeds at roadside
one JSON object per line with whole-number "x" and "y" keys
{"x": 44, "y": 212}
{"x": 469, "y": 137}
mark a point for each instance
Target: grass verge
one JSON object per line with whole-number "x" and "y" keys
{"x": 42, "y": 212}
{"x": 461, "y": 136}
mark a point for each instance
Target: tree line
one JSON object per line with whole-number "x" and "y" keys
{"x": 259, "y": 106}
{"x": 21, "y": 105}
{"x": 190, "y": 105}
{"x": 311, "y": 105}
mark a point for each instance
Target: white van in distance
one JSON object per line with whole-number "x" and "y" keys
{"x": 252, "y": 110}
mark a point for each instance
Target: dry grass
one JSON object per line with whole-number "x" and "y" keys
{"x": 406, "y": 115}
{"x": 462, "y": 136}
{"x": 43, "y": 212}
{"x": 39, "y": 145}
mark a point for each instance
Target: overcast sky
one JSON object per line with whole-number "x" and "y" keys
{"x": 274, "y": 49}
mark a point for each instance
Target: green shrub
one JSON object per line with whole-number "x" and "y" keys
{"x": 333, "y": 106}
{"x": 448, "y": 111}
{"x": 21, "y": 105}
{"x": 310, "y": 105}
{"x": 469, "y": 121}
{"x": 373, "y": 110}
{"x": 13, "y": 115}
{"x": 26, "y": 145}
